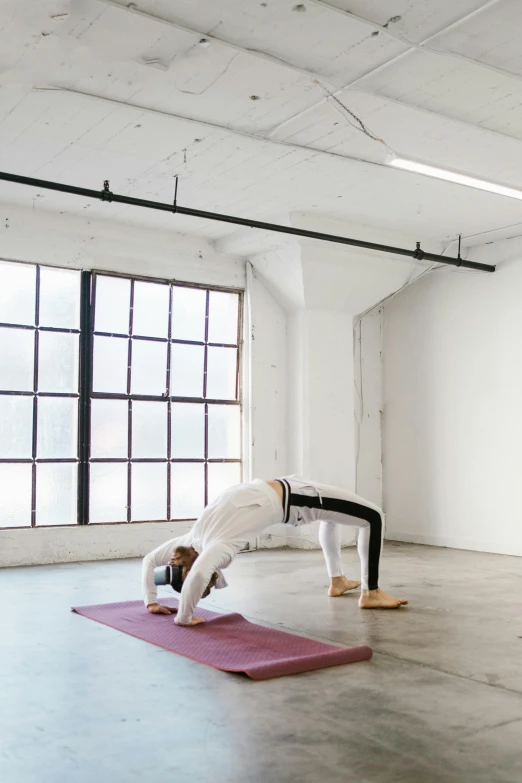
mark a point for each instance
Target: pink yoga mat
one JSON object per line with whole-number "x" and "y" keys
{"x": 225, "y": 641}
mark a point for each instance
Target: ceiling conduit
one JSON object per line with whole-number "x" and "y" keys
{"x": 107, "y": 195}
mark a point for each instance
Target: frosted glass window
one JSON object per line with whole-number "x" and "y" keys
{"x": 188, "y": 430}
{"x": 109, "y": 428}
{"x": 58, "y": 362}
{"x": 108, "y": 495}
{"x": 59, "y": 298}
{"x": 221, "y": 476}
{"x": 15, "y": 495}
{"x": 224, "y": 432}
{"x": 16, "y": 428}
{"x": 112, "y": 306}
{"x": 17, "y": 293}
{"x": 186, "y": 370}
{"x": 149, "y": 429}
{"x": 221, "y": 373}
{"x": 187, "y": 481}
{"x": 110, "y": 365}
{"x": 56, "y": 494}
{"x": 151, "y": 310}
{"x": 148, "y": 491}
{"x": 57, "y": 436}
{"x": 223, "y": 317}
{"x": 149, "y": 367}
{"x": 188, "y": 314}
{"x": 16, "y": 359}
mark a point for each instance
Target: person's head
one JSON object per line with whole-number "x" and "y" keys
{"x": 184, "y": 557}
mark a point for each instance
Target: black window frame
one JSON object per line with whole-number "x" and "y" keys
{"x": 86, "y": 394}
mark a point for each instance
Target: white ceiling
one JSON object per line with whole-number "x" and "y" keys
{"x": 93, "y": 90}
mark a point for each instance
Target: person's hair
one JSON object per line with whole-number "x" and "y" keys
{"x": 188, "y": 557}
{"x": 210, "y": 585}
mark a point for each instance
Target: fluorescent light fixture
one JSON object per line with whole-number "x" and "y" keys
{"x": 453, "y": 176}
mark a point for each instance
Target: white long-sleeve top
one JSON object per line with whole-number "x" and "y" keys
{"x": 221, "y": 531}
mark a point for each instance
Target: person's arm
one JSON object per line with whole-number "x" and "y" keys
{"x": 157, "y": 557}
{"x": 216, "y": 557}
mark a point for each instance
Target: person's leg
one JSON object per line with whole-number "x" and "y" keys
{"x": 330, "y": 541}
{"x": 331, "y": 504}
{"x": 369, "y": 547}
{"x": 363, "y": 550}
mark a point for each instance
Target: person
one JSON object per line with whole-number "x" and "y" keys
{"x": 244, "y": 510}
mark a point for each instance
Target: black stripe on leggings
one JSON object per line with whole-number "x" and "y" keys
{"x": 351, "y": 509}
{"x": 286, "y": 495}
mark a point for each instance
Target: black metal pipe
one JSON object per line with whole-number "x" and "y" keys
{"x": 107, "y": 195}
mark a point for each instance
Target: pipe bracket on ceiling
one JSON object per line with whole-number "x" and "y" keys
{"x": 106, "y": 194}
{"x": 418, "y": 253}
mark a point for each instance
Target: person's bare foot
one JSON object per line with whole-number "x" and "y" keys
{"x": 378, "y": 599}
{"x": 340, "y": 585}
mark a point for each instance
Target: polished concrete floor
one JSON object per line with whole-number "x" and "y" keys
{"x": 441, "y": 700}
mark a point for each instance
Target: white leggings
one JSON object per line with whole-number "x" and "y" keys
{"x": 330, "y": 540}
{"x": 307, "y": 501}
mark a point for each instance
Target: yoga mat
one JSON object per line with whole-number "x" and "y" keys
{"x": 225, "y": 641}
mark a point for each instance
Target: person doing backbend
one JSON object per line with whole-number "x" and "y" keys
{"x": 245, "y": 510}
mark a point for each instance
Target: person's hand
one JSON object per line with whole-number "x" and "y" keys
{"x": 194, "y": 621}
{"x": 159, "y": 609}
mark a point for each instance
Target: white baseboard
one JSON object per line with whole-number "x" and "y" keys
{"x": 45, "y": 545}
{"x": 494, "y": 547}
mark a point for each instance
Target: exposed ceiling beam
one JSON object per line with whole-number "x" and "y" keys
{"x": 236, "y": 132}
{"x": 441, "y": 116}
{"x": 411, "y": 46}
{"x": 212, "y": 126}
{"x": 261, "y": 55}
{"x": 206, "y": 124}
{"x": 421, "y": 46}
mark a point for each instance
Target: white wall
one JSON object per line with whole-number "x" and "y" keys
{"x": 331, "y": 456}
{"x": 268, "y": 384}
{"x": 323, "y": 287}
{"x": 269, "y": 396}
{"x": 368, "y": 407}
{"x": 320, "y": 406}
{"x": 297, "y": 393}
{"x": 48, "y": 238}
{"x": 35, "y": 546}
{"x": 452, "y": 408}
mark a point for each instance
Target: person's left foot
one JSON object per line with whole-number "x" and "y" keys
{"x": 340, "y": 585}
{"x": 378, "y": 599}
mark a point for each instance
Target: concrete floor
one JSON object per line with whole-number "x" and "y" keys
{"x": 441, "y": 700}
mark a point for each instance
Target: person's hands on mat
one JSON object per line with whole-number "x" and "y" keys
{"x": 194, "y": 621}
{"x": 159, "y": 609}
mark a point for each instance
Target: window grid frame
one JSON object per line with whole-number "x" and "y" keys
{"x": 34, "y": 460}
{"x": 85, "y": 393}
{"x": 167, "y": 397}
